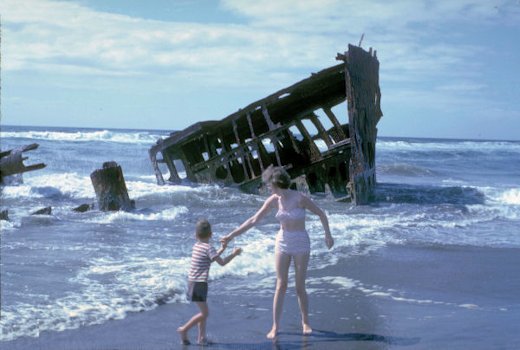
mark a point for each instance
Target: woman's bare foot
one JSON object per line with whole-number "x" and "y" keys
{"x": 306, "y": 329}
{"x": 184, "y": 336}
{"x": 272, "y": 334}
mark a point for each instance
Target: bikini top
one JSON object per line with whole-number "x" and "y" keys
{"x": 291, "y": 215}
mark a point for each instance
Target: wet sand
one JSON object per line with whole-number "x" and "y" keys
{"x": 395, "y": 297}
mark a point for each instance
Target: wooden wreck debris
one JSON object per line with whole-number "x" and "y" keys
{"x": 11, "y": 161}
{"x": 83, "y": 208}
{"x": 288, "y": 129}
{"x": 364, "y": 112}
{"x": 43, "y": 211}
{"x": 110, "y": 187}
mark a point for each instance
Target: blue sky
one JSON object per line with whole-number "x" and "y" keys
{"x": 447, "y": 68}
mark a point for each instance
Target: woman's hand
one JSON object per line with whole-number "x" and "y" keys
{"x": 329, "y": 241}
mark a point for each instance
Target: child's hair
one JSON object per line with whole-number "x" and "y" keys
{"x": 277, "y": 176}
{"x": 203, "y": 229}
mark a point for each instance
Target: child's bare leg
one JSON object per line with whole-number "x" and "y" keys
{"x": 183, "y": 333}
{"x": 204, "y": 311}
{"x": 301, "y": 261}
{"x": 282, "y": 262}
{"x": 197, "y": 319}
{"x": 192, "y": 322}
{"x": 183, "y": 330}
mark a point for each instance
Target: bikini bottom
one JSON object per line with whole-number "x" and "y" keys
{"x": 292, "y": 242}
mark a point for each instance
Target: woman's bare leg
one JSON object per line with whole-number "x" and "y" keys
{"x": 301, "y": 262}
{"x": 282, "y": 263}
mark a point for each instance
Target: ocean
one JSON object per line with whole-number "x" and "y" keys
{"x": 71, "y": 270}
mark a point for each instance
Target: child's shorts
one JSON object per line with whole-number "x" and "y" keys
{"x": 197, "y": 291}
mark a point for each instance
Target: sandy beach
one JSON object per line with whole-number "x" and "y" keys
{"x": 456, "y": 299}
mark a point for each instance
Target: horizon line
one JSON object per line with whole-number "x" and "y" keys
{"x": 172, "y": 130}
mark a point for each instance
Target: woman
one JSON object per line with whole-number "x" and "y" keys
{"x": 292, "y": 240}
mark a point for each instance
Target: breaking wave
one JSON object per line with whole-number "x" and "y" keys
{"x": 141, "y": 137}
{"x": 432, "y": 145}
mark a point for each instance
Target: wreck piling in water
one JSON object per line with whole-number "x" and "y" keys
{"x": 110, "y": 188}
{"x": 295, "y": 128}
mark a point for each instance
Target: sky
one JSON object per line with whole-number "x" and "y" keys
{"x": 448, "y": 68}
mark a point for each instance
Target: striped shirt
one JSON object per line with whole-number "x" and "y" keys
{"x": 201, "y": 258}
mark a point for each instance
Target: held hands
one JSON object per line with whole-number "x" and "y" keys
{"x": 225, "y": 240}
{"x": 224, "y": 243}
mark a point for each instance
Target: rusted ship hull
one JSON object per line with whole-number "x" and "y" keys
{"x": 295, "y": 128}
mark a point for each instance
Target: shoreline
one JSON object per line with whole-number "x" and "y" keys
{"x": 411, "y": 297}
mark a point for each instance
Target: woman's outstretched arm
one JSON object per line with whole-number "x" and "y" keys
{"x": 252, "y": 221}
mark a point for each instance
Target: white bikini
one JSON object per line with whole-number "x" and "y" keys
{"x": 292, "y": 242}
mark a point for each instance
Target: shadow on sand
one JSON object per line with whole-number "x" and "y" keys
{"x": 317, "y": 340}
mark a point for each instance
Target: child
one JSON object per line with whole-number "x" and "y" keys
{"x": 202, "y": 256}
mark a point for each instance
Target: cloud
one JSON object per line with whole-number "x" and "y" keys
{"x": 310, "y": 15}
{"x": 424, "y": 52}
{"x": 69, "y": 38}
{"x": 285, "y": 34}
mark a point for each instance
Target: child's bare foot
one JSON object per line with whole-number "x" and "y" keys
{"x": 204, "y": 341}
{"x": 184, "y": 336}
{"x": 306, "y": 329}
{"x": 272, "y": 334}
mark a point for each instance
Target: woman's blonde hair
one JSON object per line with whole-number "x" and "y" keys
{"x": 277, "y": 176}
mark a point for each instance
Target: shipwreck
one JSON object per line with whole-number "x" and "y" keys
{"x": 296, "y": 128}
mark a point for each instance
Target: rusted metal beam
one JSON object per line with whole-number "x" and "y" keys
{"x": 246, "y": 156}
{"x": 321, "y": 130}
{"x": 174, "y": 175}
{"x": 241, "y": 152}
{"x": 335, "y": 122}
{"x": 314, "y": 150}
{"x": 274, "y": 138}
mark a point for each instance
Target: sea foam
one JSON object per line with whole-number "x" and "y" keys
{"x": 511, "y": 196}
{"x": 137, "y": 284}
{"x": 85, "y": 136}
{"x": 443, "y": 145}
